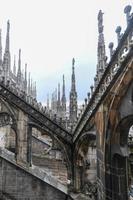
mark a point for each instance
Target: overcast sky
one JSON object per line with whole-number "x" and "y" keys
{"x": 52, "y": 32}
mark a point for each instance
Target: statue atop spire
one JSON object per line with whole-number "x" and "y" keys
{"x": 100, "y": 21}
{"x": 101, "y": 54}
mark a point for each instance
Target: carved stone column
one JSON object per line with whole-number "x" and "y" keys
{"x": 22, "y": 145}
{"x": 78, "y": 178}
{"x": 29, "y": 143}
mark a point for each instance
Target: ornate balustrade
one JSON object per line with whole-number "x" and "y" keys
{"x": 34, "y": 109}
{"x": 118, "y": 61}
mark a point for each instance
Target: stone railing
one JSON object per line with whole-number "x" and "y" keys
{"x": 37, "y": 113}
{"x": 34, "y": 103}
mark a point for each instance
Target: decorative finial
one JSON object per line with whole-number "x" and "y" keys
{"x": 58, "y": 103}
{"x": 7, "y": 36}
{"x": 29, "y": 85}
{"x": 63, "y": 99}
{"x": 73, "y": 62}
{"x": 63, "y": 78}
{"x": 95, "y": 81}
{"x": 19, "y": 68}
{"x": 19, "y": 60}
{"x": 118, "y": 31}
{"x": 19, "y": 53}
{"x": 25, "y": 78}
{"x": 85, "y": 102}
{"x": 8, "y": 26}
{"x": 14, "y": 66}
{"x": 63, "y": 87}
{"x": 25, "y": 71}
{"x": 88, "y": 94}
{"x": 59, "y": 91}
{"x": 35, "y": 92}
{"x": 48, "y": 102}
{"x": 111, "y": 45}
{"x": 91, "y": 87}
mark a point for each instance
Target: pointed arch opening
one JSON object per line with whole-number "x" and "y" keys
{"x": 50, "y": 154}
{"x": 85, "y": 164}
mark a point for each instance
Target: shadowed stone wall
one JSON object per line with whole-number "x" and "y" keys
{"x": 16, "y": 183}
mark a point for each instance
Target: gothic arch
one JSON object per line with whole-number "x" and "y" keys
{"x": 119, "y": 121}
{"x": 116, "y": 156}
{"x": 81, "y": 163}
{"x": 66, "y": 150}
{"x": 8, "y": 135}
{"x": 87, "y": 136}
{"x": 11, "y": 113}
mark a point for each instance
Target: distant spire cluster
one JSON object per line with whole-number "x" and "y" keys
{"x": 59, "y": 103}
{"x": 21, "y": 81}
{"x": 16, "y": 76}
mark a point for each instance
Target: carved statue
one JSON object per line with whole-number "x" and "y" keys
{"x": 100, "y": 21}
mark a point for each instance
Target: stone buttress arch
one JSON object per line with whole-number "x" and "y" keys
{"x": 66, "y": 150}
